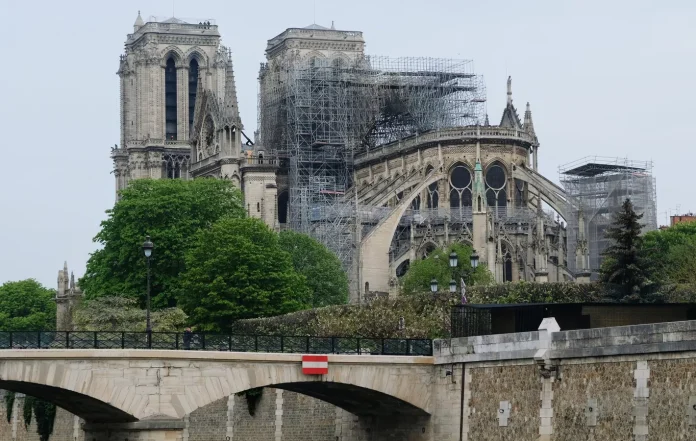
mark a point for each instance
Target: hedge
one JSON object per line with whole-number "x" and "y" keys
{"x": 424, "y": 315}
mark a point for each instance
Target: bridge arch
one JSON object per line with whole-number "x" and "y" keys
{"x": 121, "y": 386}
{"x": 83, "y": 405}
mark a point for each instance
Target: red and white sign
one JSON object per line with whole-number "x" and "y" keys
{"x": 315, "y": 364}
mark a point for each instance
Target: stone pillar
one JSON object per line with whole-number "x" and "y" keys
{"x": 153, "y": 430}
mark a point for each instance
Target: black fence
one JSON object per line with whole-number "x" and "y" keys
{"x": 213, "y": 342}
{"x": 470, "y": 321}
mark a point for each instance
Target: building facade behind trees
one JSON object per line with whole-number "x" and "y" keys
{"x": 381, "y": 159}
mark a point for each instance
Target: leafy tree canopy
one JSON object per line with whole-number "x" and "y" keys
{"x": 671, "y": 253}
{"x": 27, "y": 306}
{"x": 123, "y": 314}
{"x": 170, "y": 211}
{"x": 436, "y": 266}
{"x": 325, "y": 277}
{"x": 624, "y": 270}
{"x": 237, "y": 269}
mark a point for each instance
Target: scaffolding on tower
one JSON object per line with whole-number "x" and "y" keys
{"x": 598, "y": 186}
{"x": 317, "y": 114}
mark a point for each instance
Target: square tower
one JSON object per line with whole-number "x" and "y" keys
{"x": 166, "y": 66}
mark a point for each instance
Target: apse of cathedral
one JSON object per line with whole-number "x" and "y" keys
{"x": 383, "y": 160}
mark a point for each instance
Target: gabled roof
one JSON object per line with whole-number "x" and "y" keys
{"x": 316, "y": 27}
{"x": 174, "y": 20}
{"x": 510, "y": 118}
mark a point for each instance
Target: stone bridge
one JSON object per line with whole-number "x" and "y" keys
{"x": 153, "y": 390}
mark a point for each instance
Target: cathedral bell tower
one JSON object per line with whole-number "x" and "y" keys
{"x": 166, "y": 67}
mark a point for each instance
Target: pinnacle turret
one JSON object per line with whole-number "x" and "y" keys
{"x": 138, "y": 23}
{"x": 528, "y": 123}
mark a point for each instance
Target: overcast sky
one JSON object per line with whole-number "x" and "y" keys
{"x": 609, "y": 78}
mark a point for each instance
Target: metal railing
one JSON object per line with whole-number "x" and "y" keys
{"x": 467, "y": 321}
{"x": 212, "y": 342}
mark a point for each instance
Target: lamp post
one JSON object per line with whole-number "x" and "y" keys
{"x": 433, "y": 285}
{"x": 453, "y": 262}
{"x": 148, "y": 246}
{"x": 474, "y": 259}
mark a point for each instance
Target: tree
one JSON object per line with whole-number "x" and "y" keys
{"x": 235, "y": 270}
{"x": 171, "y": 211}
{"x": 436, "y": 266}
{"x": 671, "y": 253}
{"x": 325, "y": 277}
{"x": 27, "y": 305}
{"x": 625, "y": 271}
{"x": 123, "y": 314}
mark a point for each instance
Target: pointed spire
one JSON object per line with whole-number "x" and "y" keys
{"x": 487, "y": 123}
{"x": 510, "y": 117}
{"x": 528, "y": 123}
{"x": 65, "y": 266}
{"x": 138, "y": 23}
{"x": 333, "y": 27}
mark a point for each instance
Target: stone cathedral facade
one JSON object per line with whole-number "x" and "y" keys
{"x": 476, "y": 184}
{"x": 179, "y": 113}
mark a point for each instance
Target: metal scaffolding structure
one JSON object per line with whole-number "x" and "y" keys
{"x": 597, "y": 187}
{"x": 316, "y": 114}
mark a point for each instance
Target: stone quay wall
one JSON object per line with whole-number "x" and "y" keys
{"x": 622, "y": 383}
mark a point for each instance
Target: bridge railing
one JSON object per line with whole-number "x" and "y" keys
{"x": 213, "y": 342}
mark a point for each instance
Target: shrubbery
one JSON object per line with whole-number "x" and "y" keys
{"x": 424, "y": 315}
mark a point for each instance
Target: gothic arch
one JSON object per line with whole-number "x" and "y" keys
{"x": 314, "y": 54}
{"x": 174, "y": 52}
{"x": 426, "y": 248}
{"x": 457, "y": 163}
{"x": 496, "y": 161}
{"x": 199, "y": 55}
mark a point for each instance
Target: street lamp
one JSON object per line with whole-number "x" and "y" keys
{"x": 148, "y": 246}
{"x": 474, "y": 259}
{"x": 453, "y": 260}
{"x": 433, "y": 285}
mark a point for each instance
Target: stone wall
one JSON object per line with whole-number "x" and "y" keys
{"x": 623, "y": 383}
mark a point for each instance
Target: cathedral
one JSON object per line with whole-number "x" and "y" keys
{"x": 383, "y": 160}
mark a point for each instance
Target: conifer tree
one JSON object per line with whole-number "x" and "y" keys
{"x": 624, "y": 270}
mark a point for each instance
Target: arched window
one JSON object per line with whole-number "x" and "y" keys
{"x": 496, "y": 192}
{"x": 460, "y": 189}
{"x": 507, "y": 263}
{"x": 170, "y": 98}
{"x": 283, "y": 207}
{"x": 519, "y": 193}
{"x": 433, "y": 196}
{"x": 193, "y": 90}
{"x": 402, "y": 269}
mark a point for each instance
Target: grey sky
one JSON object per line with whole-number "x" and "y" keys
{"x": 610, "y": 78}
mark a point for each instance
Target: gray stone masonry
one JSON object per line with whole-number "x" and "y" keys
{"x": 600, "y": 342}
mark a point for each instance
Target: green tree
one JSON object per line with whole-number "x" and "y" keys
{"x": 671, "y": 253}
{"x": 625, "y": 271}
{"x": 436, "y": 266}
{"x": 171, "y": 211}
{"x": 235, "y": 270}
{"x": 322, "y": 268}
{"x": 123, "y": 314}
{"x": 27, "y": 305}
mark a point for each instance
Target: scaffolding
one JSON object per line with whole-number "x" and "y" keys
{"x": 319, "y": 113}
{"x": 597, "y": 187}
